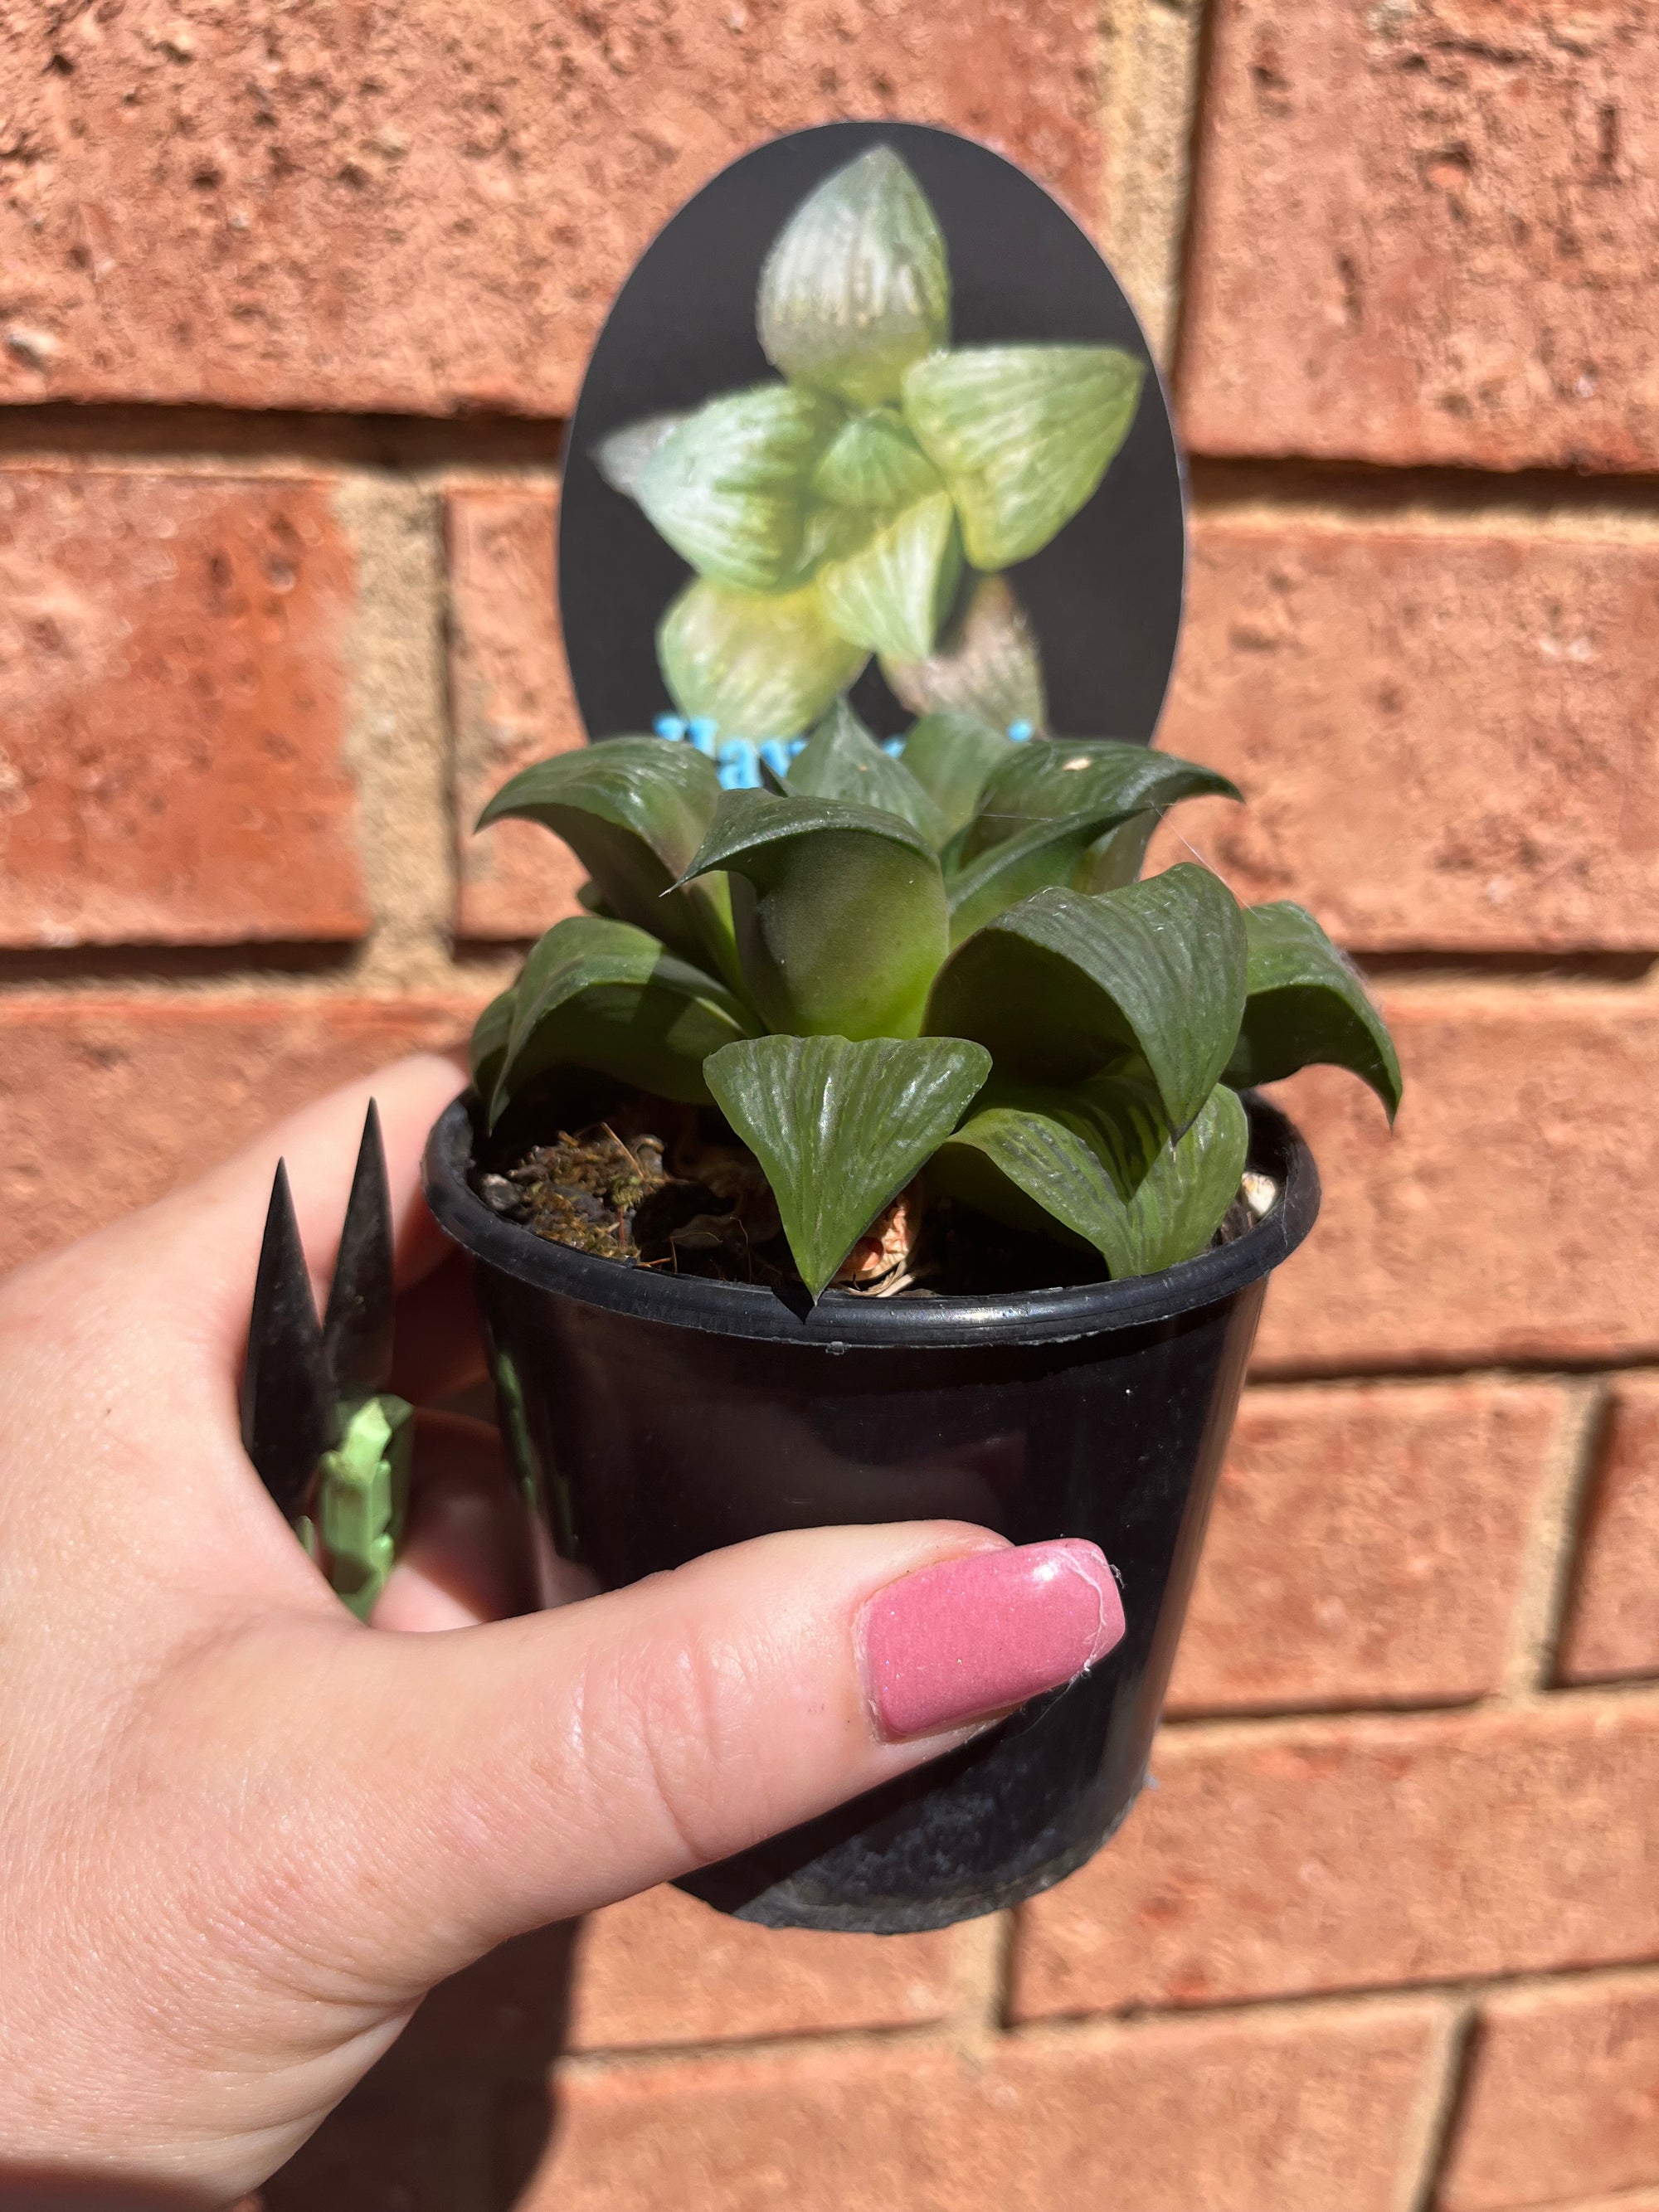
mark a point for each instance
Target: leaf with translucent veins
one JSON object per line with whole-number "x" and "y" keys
{"x": 1100, "y": 1163}
{"x": 857, "y": 285}
{"x": 1023, "y": 435}
{"x": 1063, "y": 985}
{"x": 1306, "y": 1003}
{"x": 841, "y": 1127}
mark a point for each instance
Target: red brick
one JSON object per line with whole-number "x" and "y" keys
{"x": 1283, "y": 1858}
{"x": 664, "y": 1969}
{"x": 1366, "y": 1546}
{"x": 423, "y": 207}
{"x": 1562, "y": 2097}
{"x": 1298, "y": 2111}
{"x": 173, "y": 711}
{"x": 1425, "y": 233}
{"x": 512, "y": 703}
{"x": 1442, "y": 732}
{"x": 1614, "y": 1628}
{"x": 1498, "y": 1221}
{"x": 107, "y": 1102}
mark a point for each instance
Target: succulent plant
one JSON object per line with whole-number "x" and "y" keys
{"x": 939, "y": 964}
{"x": 845, "y": 510}
{"x": 929, "y": 959}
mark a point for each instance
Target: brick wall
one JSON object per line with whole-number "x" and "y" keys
{"x": 295, "y": 297}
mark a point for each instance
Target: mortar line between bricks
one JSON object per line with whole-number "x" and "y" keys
{"x": 1107, "y": 2028}
{"x": 1438, "y": 2114}
{"x": 982, "y": 1978}
{"x": 1638, "y": 1976}
{"x": 1489, "y": 1370}
{"x": 1197, "y": 128}
{"x": 1417, "y": 1368}
{"x": 1642, "y": 2197}
{"x": 1597, "y": 1445}
{"x": 599, "y": 2058}
{"x": 1221, "y": 1730}
{"x": 1292, "y": 487}
{"x": 132, "y": 433}
{"x": 1072, "y": 2030}
{"x": 433, "y": 449}
{"x": 1546, "y": 1698}
{"x": 1544, "y": 1588}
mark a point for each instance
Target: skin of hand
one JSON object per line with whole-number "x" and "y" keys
{"x": 241, "y": 1834}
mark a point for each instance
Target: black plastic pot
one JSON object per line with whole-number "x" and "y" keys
{"x": 660, "y": 1418}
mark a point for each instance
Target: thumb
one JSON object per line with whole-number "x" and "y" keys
{"x": 467, "y": 1787}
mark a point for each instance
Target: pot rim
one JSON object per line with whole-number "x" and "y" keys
{"x": 841, "y": 1319}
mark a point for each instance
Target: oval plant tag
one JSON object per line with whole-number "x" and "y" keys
{"x": 872, "y": 417}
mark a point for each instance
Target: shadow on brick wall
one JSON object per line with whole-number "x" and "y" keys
{"x": 460, "y": 2112}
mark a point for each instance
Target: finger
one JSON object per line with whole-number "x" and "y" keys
{"x": 471, "y": 1553}
{"x": 450, "y": 1791}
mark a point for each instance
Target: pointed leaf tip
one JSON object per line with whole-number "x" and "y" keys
{"x": 1306, "y": 1003}
{"x": 1098, "y": 1161}
{"x": 601, "y": 995}
{"x": 1022, "y": 434}
{"x": 838, "y": 911}
{"x": 857, "y": 285}
{"x": 842, "y": 760}
{"x": 1065, "y": 986}
{"x": 841, "y": 1127}
{"x": 728, "y": 486}
{"x": 757, "y": 666}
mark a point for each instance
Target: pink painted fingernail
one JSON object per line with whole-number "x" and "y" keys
{"x": 976, "y": 1635}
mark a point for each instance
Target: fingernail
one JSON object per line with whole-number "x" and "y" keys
{"x": 976, "y": 1635}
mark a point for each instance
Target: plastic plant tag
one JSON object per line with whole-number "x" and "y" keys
{"x": 330, "y": 1443}
{"x": 905, "y": 443}
{"x": 362, "y": 1499}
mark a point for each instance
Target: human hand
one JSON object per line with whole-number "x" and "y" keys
{"x": 240, "y": 1833}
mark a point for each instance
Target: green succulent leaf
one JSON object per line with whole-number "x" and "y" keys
{"x": 856, "y": 286}
{"x": 950, "y": 754}
{"x": 1022, "y": 434}
{"x": 1099, "y": 1161}
{"x": 1052, "y": 777}
{"x": 633, "y": 810}
{"x": 874, "y": 464}
{"x": 842, "y": 1126}
{"x": 1042, "y": 854}
{"x": 986, "y": 664}
{"x": 1307, "y": 1003}
{"x": 1117, "y": 858}
{"x": 893, "y": 592}
{"x": 622, "y": 458}
{"x": 726, "y": 487}
{"x": 488, "y": 1047}
{"x": 842, "y": 760}
{"x": 1062, "y": 986}
{"x": 839, "y": 912}
{"x": 756, "y": 667}
{"x": 604, "y": 995}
